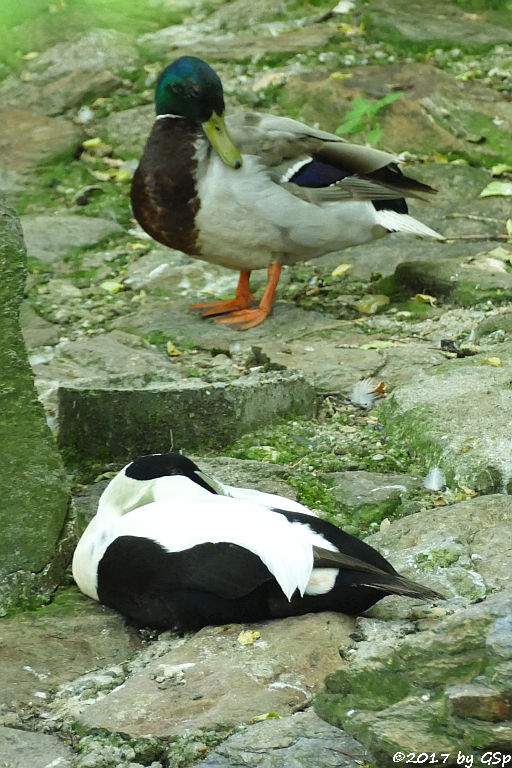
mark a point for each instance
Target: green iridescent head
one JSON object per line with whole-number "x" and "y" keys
{"x": 190, "y": 88}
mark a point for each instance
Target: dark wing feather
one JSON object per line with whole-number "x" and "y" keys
{"x": 389, "y": 582}
{"x": 357, "y": 172}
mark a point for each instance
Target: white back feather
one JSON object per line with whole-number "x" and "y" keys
{"x": 402, "y": 222}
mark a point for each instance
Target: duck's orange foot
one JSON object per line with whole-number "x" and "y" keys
{"x": 243, "y": 319}
{"x": 212, "y": 308}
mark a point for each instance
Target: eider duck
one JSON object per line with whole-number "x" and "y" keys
{"x": 255, "y": 191}
{"x": 171, "y": 547}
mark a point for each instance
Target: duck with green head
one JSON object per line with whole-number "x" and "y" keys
{"x": 253, "y": 190}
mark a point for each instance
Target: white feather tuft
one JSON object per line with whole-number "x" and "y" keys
{"x": 402, "y": 222}
{"x": 435, "y": 480}
{"x": 364, "y": 393}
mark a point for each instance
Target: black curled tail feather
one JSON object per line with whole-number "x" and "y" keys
{"x": 389, "y": 582}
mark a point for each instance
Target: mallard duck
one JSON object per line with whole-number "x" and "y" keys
{"x": 255, "y": 190}
{"x": 171, "y": 547}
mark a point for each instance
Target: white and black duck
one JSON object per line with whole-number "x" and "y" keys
{"x": 171, "y": 547}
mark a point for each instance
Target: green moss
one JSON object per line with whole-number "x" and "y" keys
{"x": 409, "y": 432}
{"x": 111, "y": 750}
{"x": 494, "y": 144}
{"x": 436, "y": 558}
{"x": 367, "y": 688}
{"x": 315, "y": 495}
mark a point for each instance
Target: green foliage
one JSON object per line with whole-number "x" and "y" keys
{"x": 28, "y": 25}
{"x": 482, "y": 5}
{"x": 362, "y": 118}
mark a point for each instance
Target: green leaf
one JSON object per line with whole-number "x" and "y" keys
{"x": 360, "y": 107}
{"x": 388, "y": 99}
{"x": 349, "y": 126}
{"x": 374, "y": 136}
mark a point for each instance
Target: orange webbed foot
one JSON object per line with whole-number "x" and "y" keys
{"x": 244, "y": 319}
{"x": 212, "y": 308}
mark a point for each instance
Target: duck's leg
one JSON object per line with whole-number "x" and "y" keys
{"x": 241, "y": 301}
{"x": 248, "y": 318}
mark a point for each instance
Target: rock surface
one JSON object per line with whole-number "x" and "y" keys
{"x": 20, "y": 749}
{"x": 451, "y": 416}
{"x": 448, "y": 683}
{"x": 212, "y": 680}
{"x": 63, "y": 234}
{"x": 54, "y": 644}
{"x": 450, "y": 680}
{"x": 300, "y": 740}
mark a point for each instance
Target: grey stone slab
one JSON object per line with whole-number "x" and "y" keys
{"x": 23, "y": 749}
{"x": 433, "y": 691}
{"x": 180, "y": 323}
{"x": 300, "y": 741}
{"x": 442, "y": 22}
{"x": 113, "y": 422}
{"x": 55, "y": 644}
{"x": 212, "y": 680}
{"x": 453, "y": 417}
{"x": 49, "y": 237}
{"x": 461, "y": 550}
{"x": 29, "y": 138}
{"x": 71, "y": 72}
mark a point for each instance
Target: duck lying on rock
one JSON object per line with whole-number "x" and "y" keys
{"x": 258, "y": 190}
{"x": 171, "y": 547}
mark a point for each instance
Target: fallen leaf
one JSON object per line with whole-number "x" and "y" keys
{"x": 100, "y": 175}
{"x": 497, "y": 188}
{"x": 378, "y": 345}
{"x": 266, "y": 716}
{"x": 248, "y": 637}
{"x": 341, "y": 75}
{"x": 370, "y": 303}
{"x": 112, "y": 286}
{"x": 340, "y": 270}
{"x": 495, "y": 361}
{"x": 122, "y": 175}
{"x": 468, "y": 491}
{"x": 92, "y": 143}
{"x": 30, "y": 56}
{"x": 500, "y": 169}
{"x": 172, "y": 351}
{"x": 424, "y": 298}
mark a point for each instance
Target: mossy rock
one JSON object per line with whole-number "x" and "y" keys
{"x": 33, "y": 484}
{"x": 462, "y": 282}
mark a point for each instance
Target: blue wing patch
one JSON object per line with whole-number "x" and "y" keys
{"x": 318, "y": 174}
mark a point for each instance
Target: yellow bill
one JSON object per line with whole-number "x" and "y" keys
{"x": 218, "y": 136}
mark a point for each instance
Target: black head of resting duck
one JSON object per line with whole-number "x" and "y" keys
{"x": 255, "y": 190}
{"x": 171, "y": 547}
